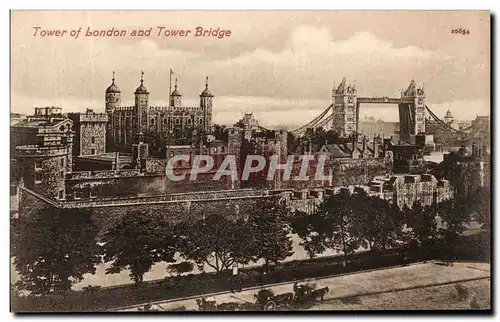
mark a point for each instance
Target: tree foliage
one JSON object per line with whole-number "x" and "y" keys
{"x": 455, "y": 215}
{"x": 378, "y": 223}
{"x": 339, "y": 214}
{"x": 312, "y": 230}
{"x": 422, "y": 221}
{"x": 216, "y": 241}
{"x": 138, "y": 241}
{"x": 54, "y": 249}
{"x": 270, "y": 232}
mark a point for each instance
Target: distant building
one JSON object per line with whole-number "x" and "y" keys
{"x": 409, "y": 157}
{"x": 405, "y": 189}
{"x": 468, "y": 170}
{"x": 16, "y": 118}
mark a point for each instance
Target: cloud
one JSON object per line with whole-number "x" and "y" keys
{"x": 287, "y": 85}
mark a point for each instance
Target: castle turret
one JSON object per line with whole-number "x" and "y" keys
{"x": 113, "y": 100}
{"x": 206, "y": 104}
{"x": 112, "y": 96}
{"x": 176, "y": 97}
{"x": 141, "y": 105}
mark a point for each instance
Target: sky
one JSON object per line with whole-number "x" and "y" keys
{"x": 280, "y": 65}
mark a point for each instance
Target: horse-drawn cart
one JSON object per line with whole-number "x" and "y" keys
{"x": 265, "y": 300}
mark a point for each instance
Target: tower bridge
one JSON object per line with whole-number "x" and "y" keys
{"x": 342, "y": 115}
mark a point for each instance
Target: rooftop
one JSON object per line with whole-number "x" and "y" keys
{"x": 109, "y": 157}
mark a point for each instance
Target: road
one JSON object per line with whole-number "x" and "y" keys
{"x": 381, "y": 280}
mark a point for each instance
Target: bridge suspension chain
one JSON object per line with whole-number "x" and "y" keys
{"x": 442, "y": 123}
{"x": 325, "y": 121}
{"x": 312, "y": 123}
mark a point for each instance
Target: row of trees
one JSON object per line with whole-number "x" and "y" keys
{"x": 347, "y": 222}
{"x": 54, "y": 249}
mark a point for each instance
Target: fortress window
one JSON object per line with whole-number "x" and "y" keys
{"x": 62, "y": 174}
{"x": 92, "y": 151}
{"x": 61, "y": 194}
{"x": 38, "y": 164}
{"x": 38, "y": 177}
{"x": 93, "y": 193}
{"x": 92, "y": 139}
{"x": 77, "y": 195}
{"x": 152, "y": 121}
{"x": 62, "y": 162}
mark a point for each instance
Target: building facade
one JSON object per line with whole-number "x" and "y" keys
{"x": 90, "y": 132}
{"x": 345, "y": 109}
{"x": 42, "y": 147}
{"x": 172, "y": 121}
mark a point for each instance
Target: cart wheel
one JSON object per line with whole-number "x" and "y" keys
{"x": 270, "y": 306}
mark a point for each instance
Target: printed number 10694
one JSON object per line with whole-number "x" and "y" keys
{"x": 460, "y": 31}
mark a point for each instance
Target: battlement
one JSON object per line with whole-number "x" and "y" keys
{"x": 93, "y": 118}
{"x": 38, "y": 151}
{"x": 125, "y": 108}
{"x": 48, "y": 111}
{"x": 187, "y": 109}
{"x": 88, "y": 175}
{"x": 169, "y": 198}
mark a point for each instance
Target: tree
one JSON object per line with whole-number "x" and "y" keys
{"x": 138, "y": 241}
{"x": 480, "y": 205}
{"x": 339, "y": 213}
{"x": 54, "y": 249}
{"x": 422, "y": 221}
{"x": 378, "y": 223}
{"x": 270, "y": 231}
{"x": 216, "y": 241}
{"x": 221, "y": 132}
{"x": 455, "y": 215}
{"x": 311, "y": 230}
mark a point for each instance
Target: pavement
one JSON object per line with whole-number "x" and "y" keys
{"x": 355, "y": 284}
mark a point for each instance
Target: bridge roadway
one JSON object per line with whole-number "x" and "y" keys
{"x": 376, "y": 281}
{"x": 385, "y": 100}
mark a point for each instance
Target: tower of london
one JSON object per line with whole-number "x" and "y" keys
{"x": 174, "y": 121}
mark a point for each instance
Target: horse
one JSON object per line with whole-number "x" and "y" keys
{"x": 321, "y": 293}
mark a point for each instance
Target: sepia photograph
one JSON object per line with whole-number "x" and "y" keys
{"x": 258, "y": 161}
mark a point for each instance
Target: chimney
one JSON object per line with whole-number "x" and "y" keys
{"x": 117, "y": 161}
{"x": 375, "y": 147}
{"x": 364, "y": 143}
{"x": 354, "y": 143}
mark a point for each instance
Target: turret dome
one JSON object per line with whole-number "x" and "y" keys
{"x": 206, "y": 92}
{"x": 113, "y": 88}
{"x": 141, "y": 89}
{"x": 176, "y": 91}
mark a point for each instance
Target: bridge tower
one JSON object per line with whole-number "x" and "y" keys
{"x": 412, "y": 112}
{"x": 345, "y": 109}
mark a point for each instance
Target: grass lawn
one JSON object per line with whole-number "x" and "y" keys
{"x": 428, "y": 298}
